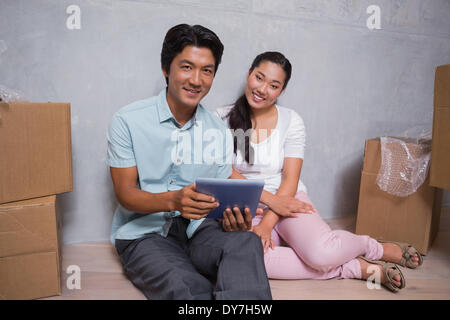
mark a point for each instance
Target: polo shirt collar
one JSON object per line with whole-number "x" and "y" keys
{"x": 165, "y": 114}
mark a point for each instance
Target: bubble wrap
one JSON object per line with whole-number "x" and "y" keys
{"x": 10, "y": 95}
{"x": 404, "y": 165}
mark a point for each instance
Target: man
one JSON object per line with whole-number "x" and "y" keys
{"x": 167, "y": 249}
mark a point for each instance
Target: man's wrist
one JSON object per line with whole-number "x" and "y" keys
{"x": 171, "y": 195}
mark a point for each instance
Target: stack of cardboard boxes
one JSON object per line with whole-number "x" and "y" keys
{"x": 413, "y": 219}
{"x": 35, "y": 166}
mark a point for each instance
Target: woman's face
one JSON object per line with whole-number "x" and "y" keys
{"x": 264, "y": 85}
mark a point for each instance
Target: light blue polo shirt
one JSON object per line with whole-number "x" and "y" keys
{"x": 168, "y": 157}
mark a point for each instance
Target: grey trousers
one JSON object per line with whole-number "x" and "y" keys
{"x": 178, "y": 268}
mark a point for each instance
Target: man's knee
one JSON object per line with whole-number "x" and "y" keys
{"x": 189, "y": 286}
{"x": 244, "y": 241}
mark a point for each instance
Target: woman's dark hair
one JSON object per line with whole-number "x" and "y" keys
{"x": 239, "y": 116}
{"x": 182, "y": 35}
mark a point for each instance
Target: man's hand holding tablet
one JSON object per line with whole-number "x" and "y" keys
{"x": 192, "y": 204}
{"x": 238, "y": 200}
{"x": 234, "y": 221}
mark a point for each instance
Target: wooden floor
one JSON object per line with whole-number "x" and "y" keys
{"x": 102, "y": 276}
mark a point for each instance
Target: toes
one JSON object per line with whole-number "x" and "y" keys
{"x": 397, "y": 280}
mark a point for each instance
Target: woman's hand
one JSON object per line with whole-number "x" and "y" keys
{"x": 264, "y": 233}
{"x": 287, "y": 206}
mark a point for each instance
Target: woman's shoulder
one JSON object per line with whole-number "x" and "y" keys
{"x": 290, "y": 115}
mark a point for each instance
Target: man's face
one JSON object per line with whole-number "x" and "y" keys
{"x": 190, "y": 77}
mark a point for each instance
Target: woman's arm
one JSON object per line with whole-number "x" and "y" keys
{"x": 292, "y": 168}
{"x": 288, "y": 187}
{"x": 266, "y": 196}
{"x": 283, "y": 203}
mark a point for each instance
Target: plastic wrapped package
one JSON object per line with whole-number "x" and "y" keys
{"x": 404, "y": 164}
{"x": 9, "y": 95}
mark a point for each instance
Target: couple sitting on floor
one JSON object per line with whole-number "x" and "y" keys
{"x": 167, "y": 247}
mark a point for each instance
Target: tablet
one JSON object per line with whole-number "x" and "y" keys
{"x": 231, "y": 192}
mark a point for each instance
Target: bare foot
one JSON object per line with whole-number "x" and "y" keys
{"x": 393, "y": 253}
{"x": 397, "y": 280}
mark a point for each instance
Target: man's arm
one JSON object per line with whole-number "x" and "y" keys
{"x": 132, "y": 198}
{"x": 192, "y": 205}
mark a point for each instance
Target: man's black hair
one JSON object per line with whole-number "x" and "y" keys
{"x": 182, "y": 35}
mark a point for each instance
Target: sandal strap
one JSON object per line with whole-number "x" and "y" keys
{"x": 390, "y": 270}
{"x": 393, "y": 270}
{"x": 408, "y": 252}
{"x": 407, "y": 255}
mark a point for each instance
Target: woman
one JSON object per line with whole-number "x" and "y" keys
{"x": 275, "y": 153}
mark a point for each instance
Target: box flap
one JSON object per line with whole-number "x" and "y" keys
{"x": 372, "y": 156}
{"x": 29, "y": 226}
{"x": 442, "y": 86}
{"x": 42, "y": 201}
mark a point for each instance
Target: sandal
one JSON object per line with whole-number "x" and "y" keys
{"x": 408, "y": 252}
{"x": 390, "y": 270}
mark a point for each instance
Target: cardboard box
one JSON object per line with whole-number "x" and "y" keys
{"x": 30, "y": 249}
{"x": 35, "y": 149}
{"x": 440, "y": 154}
{"x": 413, "y": 219}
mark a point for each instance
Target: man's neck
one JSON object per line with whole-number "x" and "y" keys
{"x": 181, "y": 113}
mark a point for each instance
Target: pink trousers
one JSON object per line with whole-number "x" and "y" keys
{"x": 313, "y": 250}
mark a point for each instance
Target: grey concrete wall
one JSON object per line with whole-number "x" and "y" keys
{"x": 349, "y": 83}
